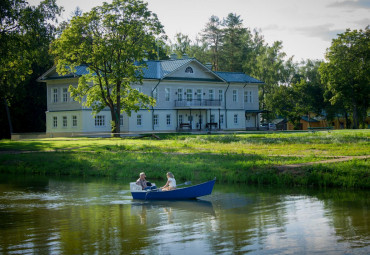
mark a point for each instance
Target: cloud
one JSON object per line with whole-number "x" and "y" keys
{"x": 351, "y": 3}
{"x": 324, "y": 32}
{"x": 363, "y": 22}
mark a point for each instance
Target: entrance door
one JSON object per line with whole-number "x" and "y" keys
{"x": 250, "y": 121}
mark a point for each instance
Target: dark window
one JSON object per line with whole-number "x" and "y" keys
{"x": 189, "y": 70}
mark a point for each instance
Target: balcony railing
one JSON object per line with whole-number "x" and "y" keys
{"x": 197, "y": 102}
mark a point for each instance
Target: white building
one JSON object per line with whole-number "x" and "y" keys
{"x": 189, "y": 95}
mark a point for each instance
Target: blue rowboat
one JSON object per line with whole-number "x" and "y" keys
{"x": 191, "y": 192}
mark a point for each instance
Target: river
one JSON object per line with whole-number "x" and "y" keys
{"x": 41, "y": 215}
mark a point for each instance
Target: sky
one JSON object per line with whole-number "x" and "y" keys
{"x": 306, "y": 27}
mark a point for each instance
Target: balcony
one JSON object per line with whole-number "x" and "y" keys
{"x": 197, "y": 103}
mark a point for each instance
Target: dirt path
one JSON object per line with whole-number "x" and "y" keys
{"x": 284, "y": 168}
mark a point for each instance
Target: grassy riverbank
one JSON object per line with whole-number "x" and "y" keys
{"x": 245, "y": 158}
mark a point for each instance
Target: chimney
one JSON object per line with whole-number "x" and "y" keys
{"x": 173, "y": 56}
{"x": 185, "y": 56}
{"x": 209, "y": 66}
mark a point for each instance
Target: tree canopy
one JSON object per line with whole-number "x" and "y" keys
{"x": 25, "y": 35}
{"x": 346, "y": 73}
{"x": 111, "y": 40}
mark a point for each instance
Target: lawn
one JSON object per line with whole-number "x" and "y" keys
{"x": 245, "y": 158}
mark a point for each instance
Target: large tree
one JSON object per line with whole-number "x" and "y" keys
{"x": 111, "y": 40}
{"x": 347, "y": 72}
{"x": 25, "y": 34}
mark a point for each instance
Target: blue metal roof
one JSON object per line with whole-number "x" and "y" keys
{"x": 237, "y": 77}
{"x": 160, "y": 69}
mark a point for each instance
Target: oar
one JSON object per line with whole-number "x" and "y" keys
{"x": 185, "y": 183}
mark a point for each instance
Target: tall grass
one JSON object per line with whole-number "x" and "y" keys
{"x": 234, "y": 158}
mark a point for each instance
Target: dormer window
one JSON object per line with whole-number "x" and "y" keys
{"x": 189, "y": 70}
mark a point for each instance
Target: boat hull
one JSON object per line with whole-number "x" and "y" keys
{"x": 191, "y": 192}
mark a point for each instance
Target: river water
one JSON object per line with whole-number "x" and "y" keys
{"x": 41, "y": 215}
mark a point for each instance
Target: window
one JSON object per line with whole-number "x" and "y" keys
{"x": 167, "y": 94}
{"x": 189, "y": 70}
{"x": 248, "y": 96}
{"x": 180, "y": 119}
{"x": 121, "y": 120}
{"x": 179, "y": 94}
{"x": 211, "y": 94}
{"x": 168, "y": 119}
{"x": 64, "y": 121}
{"x": 55, "y": 95}
{"x": 139, "y": 89}
{"x": 155, "y": 119}
{"x": 235, "y": 95}
{"x": 212, "y": 118}
{"x": 222, "y": 119}
{"x": 65, "y": 94}
{"x": 74, "y": 121}
{"x": 55, "y": 122}
{"x": 99, "y": 121}
{"x": 139, "y": 120}
{"x": 189, "y": 95}
{"x": 220, "y": 94}
{"x": 248, "y": 117}
{"x": 236, "y": 119}
{"x": 199, "y": 94}
{"x": 155, "y": 94}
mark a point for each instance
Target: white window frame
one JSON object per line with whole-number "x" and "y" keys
{"x": 74, "y": 121}
{"x": 155, "y": 119}
{"x": 55, "y": 95}
{"x": 100, "y": 121}
{"x": 189, "y": 70}
{"x": 212, "y": 118}
{"x": 179, "y": 94}
{"x": 211, "y": 94}
{"x": 167, "y": 92}
{"x": 139, "y": 89}
{"x": 246, "y": 96}
{"x": 189, "y": 94}
{"x": 181, "y": 119}
{"x": 235, "y": 95}
{"x": 55, "y": 121}
{"x": 220, "y": 95}
{"x": 250, "y": 97}
{"x": 155, "y": 93}
{"x": 236, "y": 119}
{"x": 65, "y": 95}
{"x": 139, "y": 120}
{"x": 65, "y": 121}
{"x": 168, "y": 119}
{"x": 199, "y": 94}
{"x": 121, "y": 120}
{"x": 222, "y": 119}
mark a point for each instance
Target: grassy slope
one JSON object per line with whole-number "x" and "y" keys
{"x": 232, "y": 158}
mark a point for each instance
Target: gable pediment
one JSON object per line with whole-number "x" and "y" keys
{"x": 193, "y": 71}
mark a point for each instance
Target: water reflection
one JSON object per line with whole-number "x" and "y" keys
{"x": 99, "y": 216}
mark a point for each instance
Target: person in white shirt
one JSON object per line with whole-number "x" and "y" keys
{"x": 171, "y": 182}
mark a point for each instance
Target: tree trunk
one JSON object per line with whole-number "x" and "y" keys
{"x": 116, "y": 128}
{"x": 9, "y": 119}
{"x": 355, "y": 117}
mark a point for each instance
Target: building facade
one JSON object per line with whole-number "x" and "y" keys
{"x": 189, "y": 96}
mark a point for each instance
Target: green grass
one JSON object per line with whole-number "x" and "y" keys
{"x": 244, "y": 158}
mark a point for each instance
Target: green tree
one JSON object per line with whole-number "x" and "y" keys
{"x": 181, "y": 45}
{"x": 235, "y": 44}
{"x": 212, "y": 36}
{"x": 25, "y": 34}
{"x": 111, "y": 40}
{"x": 346, "y": 73}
